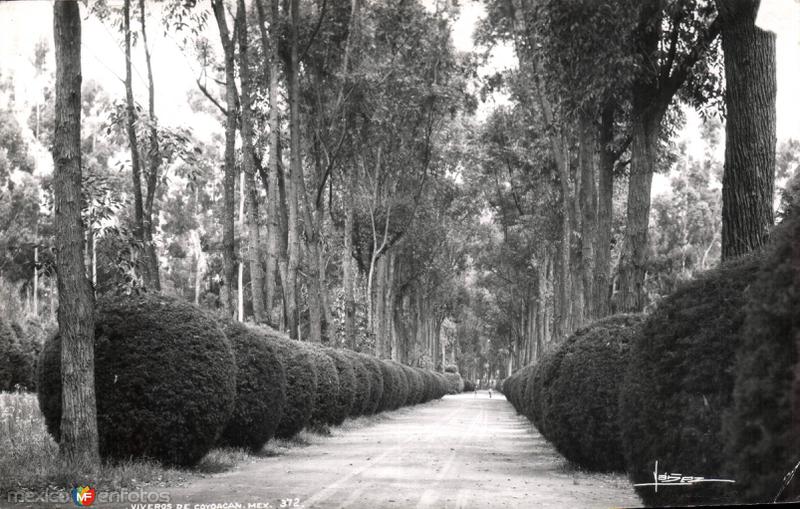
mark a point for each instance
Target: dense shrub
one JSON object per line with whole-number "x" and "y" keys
{"x": 362, "y": 392}
{"x": 165, "y": 380}
{"x": 416, "y": 389}
{"x": 376, "y": 383}
{"x": 441, "y": 385}
{"x": 404, "y": 385}
{"x": 8, "y": 347}
{"x": 455, "y": 384}
{"x": 24, "y": 359}
{"x": 583, "y": 398}
{"x": 301, "y": 386}
{"x": 679, "y": 383}
{"x": 347, "y": 385}
{"x": 451, "y": 369}
{"x": 469, "y": 386}
{"x": 763, "y": 441}
{"x": 429, "y": 384}
{"x": 260, "y": 389}
{"x": 326, "y": 403}
{"x": 392, "y": 397}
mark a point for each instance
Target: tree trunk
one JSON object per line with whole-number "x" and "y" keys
{"x": 295, "y": 170}
{"x": 283, "y": 241}
{"x": 78, "y": 441}
{"x": 605, "y": 207}
{"x": 388, "y": 319}
{"x": 631, "y": 297}
{"x": 348, "y": 265}
{"x": 136, "y": 166}
{"x": 240, "y": 264}
{"x": 379, "y": 306}
{"x": 153, "y": 166}
{"x": 229, "y": 179}
{"x": 274, "y": 132}
{"x": 588, "y": 199}
{"x": 749, "y": 176}
{"x": 255, "y": 248}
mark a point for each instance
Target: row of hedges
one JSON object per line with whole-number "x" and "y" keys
{"x": 173, "y": 381}
{"x": 708, "y": 384}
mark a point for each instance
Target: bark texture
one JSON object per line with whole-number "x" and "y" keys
{"x": 255, "y": 251}
{"x": 748, "y": 180}
{"x": 588, "y": 201}
{"x": 605, "y": 207}
{"x": 293, "y": 248}
{"x": 79, "y": 444}
{"x": 229, "y": 178}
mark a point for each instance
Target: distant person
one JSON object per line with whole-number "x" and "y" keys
{"x": 476, "y": 392}
{"x": 490, "y": 393}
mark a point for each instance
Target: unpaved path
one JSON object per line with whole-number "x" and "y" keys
{"x": 461, "y": 451}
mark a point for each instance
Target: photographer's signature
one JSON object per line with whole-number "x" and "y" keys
{"x": 673, "y": 479}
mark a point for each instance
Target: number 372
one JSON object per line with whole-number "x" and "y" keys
{"x": 290, "y": 502}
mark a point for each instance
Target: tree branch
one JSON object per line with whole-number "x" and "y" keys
{"x": 676, "y": 80}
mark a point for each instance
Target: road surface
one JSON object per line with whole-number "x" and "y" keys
{"x": 461, "y": 451}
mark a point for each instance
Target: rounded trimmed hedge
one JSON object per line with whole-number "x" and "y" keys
{"x": 301, "y": 386}
{"x": 441, "y": 385}
{"x": 679, "y": 383}
{"x": 430, "y": 383}
{"x": 401, "y": 379}
{"x": 260, "y": 389}
{"x": 582, "y": 417}
{"x": 416, "y": 391}
{"x": 455, "y": 384}
{"x": 391, "y": 387}
{"x": 165, "y": 380}
{"x": 347, "y": 385}
{"x": 763, "y": 428}
{"x": 377, "y": 383}
{"x": 325, "y": 405}
{"x": 362, "y": 383}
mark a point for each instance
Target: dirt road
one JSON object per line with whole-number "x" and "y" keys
{"x": 457, "y": 452}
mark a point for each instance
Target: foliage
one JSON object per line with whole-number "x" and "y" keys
{"x": 326, "y": 402}
{"x": 165, "y": 379}
{"x": 8, "y": 348}
{"x": 377, "y": 383}
{"x": 301, "y": 385}
{"x": 416, "y": 389}
{"x": 455, "y": 384}
{"x": 679, "y": 383}
{"x": 363, "y": 383}
{"x": 260, "y": 389}
{"x": 345, "y": 400}
{"x": 760, "y": 428}
{"x": 584, "y": 398}
{"x": 393, "y": 387}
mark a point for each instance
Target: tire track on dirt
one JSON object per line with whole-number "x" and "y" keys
{"x": 329, "y": 491}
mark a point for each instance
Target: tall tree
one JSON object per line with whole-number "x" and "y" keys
{"x": 153, "y": 163}
{"x": 276, "y": 256}
{"x": 229, "y": 178}
{"x": 133, "y": 141}
{"x": 749, "y": 178}
{"x": 248, "y": 156}
{"x": 653, "y": 91}
{"x": 295, "y": 171}
{"x": 79, "y": 442}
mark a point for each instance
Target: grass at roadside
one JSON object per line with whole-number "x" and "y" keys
{"x": 30, "y": 462}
